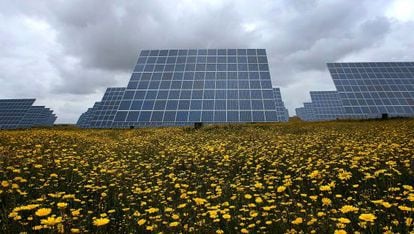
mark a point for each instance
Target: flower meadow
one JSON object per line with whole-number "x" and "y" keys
{"x": 333, "y": 177}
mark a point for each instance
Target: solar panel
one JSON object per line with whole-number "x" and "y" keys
{"x": 182, "y": 87}
{"x": 31, "y": 117}
{"x": 19, "y": 113}
{"x": 282, "y": 112}
{"x": 306, "y": 113}
{"x": 12, "y": 111}
{"x": 45, "y": 118}
{"x": 84, "y": 119}
{"x": 104, "y": 111}
{"x": 301, "y": 112}
{"x": 326, "y": 105}
{"x": 368, "y": 90}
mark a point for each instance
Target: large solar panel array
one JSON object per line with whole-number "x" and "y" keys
{"x": 307, "y": 112}
{"x": 102, "y": 114}
{"x": 182, "y": 87}
{"x": 282, "y": 112}
{"x": 85, "y": 118}
{"x": 105, "y": 111}
{"x": 46, "y": 118}
{"x": 20, "y": 113}
{"x": 368, "y": 90}
{"x": 326, "y": 105}
{"x": 37, "y": 116}
{"x": 301, "y": 113}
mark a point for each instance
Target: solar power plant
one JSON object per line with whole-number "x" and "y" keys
{"x": 182, "y": 87}
{"x": 19, "y": 113}
{"x": 104, "y": 111}
{"x": 283, "y": 114}
{"x": 326, "y": 105}
{"x": 368, "y": 90}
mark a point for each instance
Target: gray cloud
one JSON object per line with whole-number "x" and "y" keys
{"x": 327, "y": 49}
{"x": 67, "y": 52}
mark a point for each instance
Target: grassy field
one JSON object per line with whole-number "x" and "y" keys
{"x": 316, "y": 177}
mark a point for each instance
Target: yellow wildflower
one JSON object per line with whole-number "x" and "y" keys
{"x": 244, "y": 230}
{"x": 51, "y": 221}
{"x": 344, "y": 220}
{"x": 348, "y": 208}
{"x": 367, "y": 217}
{"x": 281, "y": 189}
{"x": 259, "y": 185}
{"x": 5, "y": 184}
{"x": 259, "y": 200}
{"x": 408, "y": 222}
{"x": 62, "y": 205}
{"x": 101, "y": 221}
{"x": 326, "y": 201}
{"x": 298, "y": 220}
{"x": 325, "y": 188}
{"x": 43, "y": 211}
{"x": 199, "y": 201}
{"x": 344, "y": 175}
{"x": 152, "y": 210}
{"x": 174, "y": 224}
{"x": 141, "y": 222}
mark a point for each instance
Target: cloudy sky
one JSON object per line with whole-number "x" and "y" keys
{"x": 66, "y": 53}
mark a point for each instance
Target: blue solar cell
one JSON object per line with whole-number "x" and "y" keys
{"x": 144, "y": 116}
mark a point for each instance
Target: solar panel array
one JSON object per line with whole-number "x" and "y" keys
{"x": 282, "y": 112}
{"x": 368, "y": 90}
{"x": 20, "y": 113}
{"x": 85, "y": 118}
{"x": 105, "y": 110}
{"x": 37, "y": 116}
{"x": 307, "y": 113}
{"x": 45, "y": 118}
{"x": 301, "y": 113}
{"x": 326, "y": 105}
{"x": 182, "y": 87}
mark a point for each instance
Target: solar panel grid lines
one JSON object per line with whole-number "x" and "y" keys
{"x": 31, "y": 116}
{"x": 368, "y": 90}
{"x": 199, "y": 87}
{"x": 306, "y": 113}
{"x": 12, "y": 111}
{"x": 104, "y": 111}
{"x": 301, "y": 113}
{"x": 282, "y": 112}
{"x": 45, "y": 118}
{"x": 184, "y": 86}
{"x": 20, "y": 113}
{"x": 326, "y": 105}
{"x": 85, "y": 119}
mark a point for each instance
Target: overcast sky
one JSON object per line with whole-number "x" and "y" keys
{"x": 66, "y": 53}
